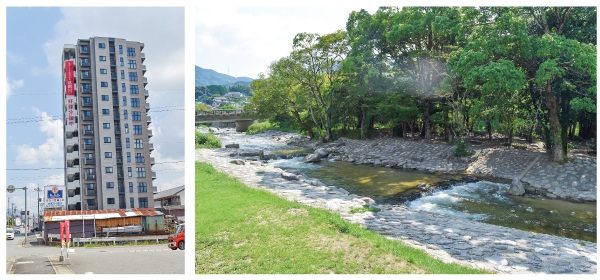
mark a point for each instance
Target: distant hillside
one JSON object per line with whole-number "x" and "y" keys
{"x": 205, "y": 77}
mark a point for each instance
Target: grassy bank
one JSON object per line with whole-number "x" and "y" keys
{"x": 264, "y": 126}
{"x": 207, "y": 141}
{"x": 245, "y": 230}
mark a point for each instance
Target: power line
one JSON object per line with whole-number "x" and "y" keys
{"x": 55, "y": 93}
{"x": 57, "y": 117}
{"x": 55, "y": 168}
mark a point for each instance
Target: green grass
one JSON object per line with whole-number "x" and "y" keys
{"x": 207, "y": 141}
{"x": 365, "y": 208}
{"x": 245, "y": 230}
{"x": 264, "y": 126}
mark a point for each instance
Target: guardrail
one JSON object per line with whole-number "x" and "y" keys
{"x": 219, "y": 112}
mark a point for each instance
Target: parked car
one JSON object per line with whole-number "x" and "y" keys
{"x": 17, "y": 230}
{"x": 10, "y": 233}
{"x": 177, "y": 240}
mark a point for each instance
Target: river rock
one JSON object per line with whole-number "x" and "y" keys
{"x": 232, "y": 146}
{"x": 289, "y": 176}
{"x": 516, "y": 187}
{"x": 312, "y": 158}
{"x": 238, "y": 162}
{"x": 367, "y": 200}
{"x": 322, "y": 152}
{"x": 417, "y": 158}
{"x": 393, "y": 163}
{"x": 252, "y": 154}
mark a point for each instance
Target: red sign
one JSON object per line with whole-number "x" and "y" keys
{"x": 62, "y": 232}
{"x": 23, "y": 213}
{"x": 69, "y": 77}
{"x": 67, "y": 231}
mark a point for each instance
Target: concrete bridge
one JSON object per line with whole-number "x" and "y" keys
{"x": 226, "y": 115}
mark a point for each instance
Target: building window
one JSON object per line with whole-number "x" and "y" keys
{"x": 138, "y": 144}
{"x": 131, "y": 202}
{"x": 135, "y": 102}
{"x": 103, "y": 71}
{"x": 127, "y": 131}
{"x": 89, "y": 186}
{"x": 127, "y": 139}
{"x": 124, "y": 114}
{"x": 133, "y": 89}
{"x": 101, "y": 45}
{"x": 87, "y": 113}
{"x": 130, "y": 51}
{"x": 109, "y": 170}
{"x": 108, "y": 154}
{"x": 85, "y": 61}
{"x": 102, "y": 58}
{"x": 105, "y": 97}
{"x": 122, "y": 74}
{"x": 139, "y": 157}
{"x": 141, "y": 172}
{"x": 84, "y": 48}
{"x": 89, "y": 156}
{"x": 121, "y": 61}
{"x": 137, "y": 129}
{"x": 110, "y": 185}
{"x": 106, "y": 125}
{"x": 87, "y": 142}
{"x": 129, "y": 158}
{"x": 105, "y": 112}
{"x": 104, "y": 84}
{"x": 142, "y": 187}
{"x": 123, "y": 89}
{"x": 124, "y": 97}
{"x": 136, "y": 116}
{"x": 110, "y": 200}
{"x": 106, "y": 139}
{"x": 85, "y": 73}
{"x": 120, "y": 48}
{"x": 143, "y": 202}
{"x": 85, "y": 86}
{"x": 129, "y": 173}
{"x": 131, "y": 64}
{"x": 91, "y": 202}
{"x": 132, "y": 76}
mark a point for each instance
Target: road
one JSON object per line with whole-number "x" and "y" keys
{"x": 33, "y": 258}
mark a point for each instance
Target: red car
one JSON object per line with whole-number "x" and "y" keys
{"x": 177, "y": 240}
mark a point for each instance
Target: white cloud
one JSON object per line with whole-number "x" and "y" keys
{"x": 14, "y": 58}
{"x": 54, "y": 180}
{"x": 51, "y": 151}
{"x": 172, "y": 184}
{"x": 11, "y": 85}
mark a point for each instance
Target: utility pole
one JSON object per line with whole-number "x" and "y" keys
{"x": 38, "y": 203}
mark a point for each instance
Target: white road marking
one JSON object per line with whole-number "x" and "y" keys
{"x": 24, "y": 262}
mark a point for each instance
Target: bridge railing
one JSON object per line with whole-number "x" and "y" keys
{"x": 219, "y": 112}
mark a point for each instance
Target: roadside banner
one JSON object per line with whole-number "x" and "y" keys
{"x": 67, "y": 231}
{"x": 62, "y": 234}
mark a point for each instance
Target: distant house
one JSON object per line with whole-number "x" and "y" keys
{"x": 234, "y": 94}
{"x": 171, "y": 202}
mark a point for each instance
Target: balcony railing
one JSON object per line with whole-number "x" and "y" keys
{"x": 116, "y": 117}
{"x": 115, "y": 103}
{"x": 120, "y": 175}
{"x": 85, "y": 64}
{"x": 121, "y": 190}
{"x": 120, "y": 160}
{"x": 73, "y": 179}
{"x": 86, "y": 90}
{"x": 172, "y": 203}
{"x": 147, "y": 106}
{"x": 153, "y": 175}
{"x": 142, "y": 56}
{"x": 149, "y": 133}
{"x": 111, "y": 50}
{"x": 88, "y": 104}
{"x": 122, "y": 205}
{"x": 151, "y": 146}
{"x": 89, "y": 146}
{"x": 91, "y": 207}
{"x": 145, "y": 80}
{"x": 146, "y": 94}
{"x": 143, "y": 68}
{"x": 86, "y": 77}
{"x": 88, "y": 118}
{"x": 117, "y": 131}
{"x": 90, "y": 176}
{"x": 88, "y": 132}
{"x": 84, "y": 51}
{"x": 118, "y": 146}
{"x": 113, "y": 63}
{"x": 113, "y": 76}
{"x": 152, "y": 160}
{"x": 115, "y": 90}
{"x": 91, "y": 192}
{"x": 90, "y": 161}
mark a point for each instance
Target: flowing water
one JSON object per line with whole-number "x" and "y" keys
{"x": 482, "y": 200}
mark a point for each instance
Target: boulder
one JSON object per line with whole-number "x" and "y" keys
{"x": 233, "y": 154}
{"x": 393, "y": 163}
{"x": 289, "y": 176}
{"x": 252, "y": 154}
{"x": 417, "y": 158}
{"x": 322, "y": 152}
{"x": 294, "y": 171}
{"x": 238, "y": 162}
{"x": 367, "y": 200}
{"x": 312, "y": 158}
{"x": 516, "y": 187}
{"x": 232, "y": 146}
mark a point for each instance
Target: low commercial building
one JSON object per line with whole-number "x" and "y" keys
{"x": 172, "y": 203}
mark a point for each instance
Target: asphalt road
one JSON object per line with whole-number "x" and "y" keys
{"x": 143, "y": 259}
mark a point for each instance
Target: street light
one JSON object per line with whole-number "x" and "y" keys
{"x": 11, "y": 189}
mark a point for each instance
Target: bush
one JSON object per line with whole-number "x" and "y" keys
{"x": 207, "y": 141}
{"x": 460, "y": 150}
{"x": 592, "y": 145}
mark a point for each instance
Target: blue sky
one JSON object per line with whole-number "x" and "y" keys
{"x": 34, "y": 135}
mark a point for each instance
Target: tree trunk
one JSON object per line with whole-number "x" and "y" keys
{"x": 363, "y": 133}
{"x": 564, "y": 133}
{"x": 488, "y": 125}
{"x": 511, "y": 135}
{"x": 552, "y": 105}
{"x": 328, "y": 128}
{"x": 426, "y": 126}
{"x": 530, "y": 134}
{"x": 403, "y": 130}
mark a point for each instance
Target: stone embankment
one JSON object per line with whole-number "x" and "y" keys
{"x": 466, "y": 242}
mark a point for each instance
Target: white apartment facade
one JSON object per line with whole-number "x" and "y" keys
{"x": 107, "y": 141}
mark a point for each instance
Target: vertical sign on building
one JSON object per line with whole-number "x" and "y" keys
{"x": 70, "y": 95}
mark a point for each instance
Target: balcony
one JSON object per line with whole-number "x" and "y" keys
{"x": 86, "y": 90}
{"x": 154, "y": 189}
{"x": 91, "y": 192}
{"x": 145, "y": 81}
{"x": 86, "y": 77}
{"x": 72, "y": 141}
{"x": 146, "y": 95}
{"x": 73, "y": 169}
{"x": 122, "y": 205}
{"x": 120, "y": 175}
{"x": 147, "y": 106}
{"x": 89, "y": 146}
{"x": 121, "y": 190}
{"x": 90, "y": 161}
{"x": 85, "y": 64}
{"x": 149, "y": 133}
{"x": 113, "y": 76}
{"x": 113, "y": 63}
{"x": 91, "y": 207}
{"x": 120, "y": 160}
{"x": 72, "y": 155}
{"x": 115, "y": 103}
{"x": 117, "y": 131}
{"x": 111, "y": 50}
{"x": 151, "y": 146}
{"x": 141, "y": 46}
{"x": 115, "y": 90}
{"x": 152, "y": 160}
{"x": 143, "y": 56}
{"x": 148, "y": 119}
{"x": 116, "y": 117}
{"x": 88, "y": 104}
{"x": 90, "y": 176}
{"x": 88, "y": 118}
{"x": 143, "y": 68}
{"x": 118, "y": 144}
{"x": 73, "y": 179}
{"x": 172, "y": 203}
{"x": 84, "y": 51}
{"x": 153, "y": 175}
{"x": 88, "y": 132}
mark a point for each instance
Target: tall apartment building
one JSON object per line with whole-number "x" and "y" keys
{"x": 106, "y": 143}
